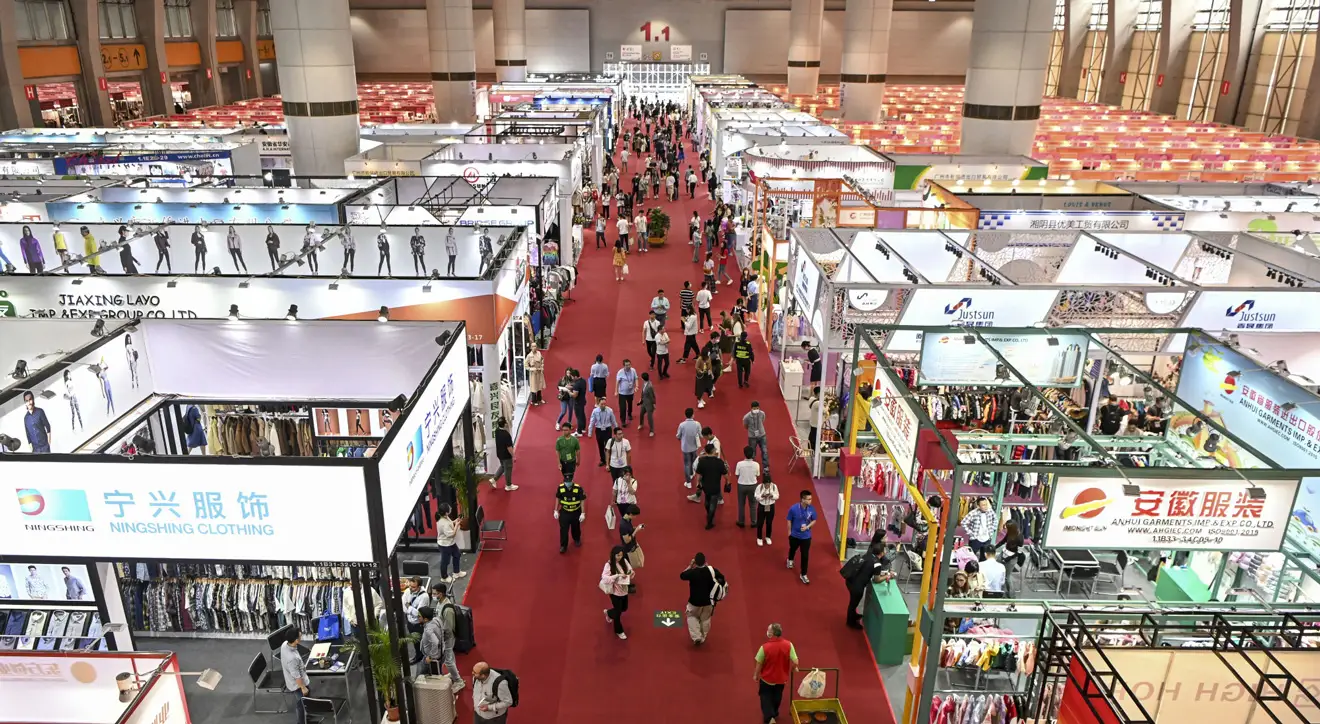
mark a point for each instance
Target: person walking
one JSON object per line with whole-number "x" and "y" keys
{"x": 570, "y": 506}
{"x": 647, "y": 404}
{"x": 748, "y": 473}
{"x": 625, "y": 386}
{"x": 618, "y": 451}
{"x": 703, "y": 309}
{"x": 766, "y": 494}
{"x": 712, "y": 473}
{"x": 660, "y": 306}
{"x": 628, "y": 530}
{"x": 705, "y": 380}
{"x": 708, "y": 274}
{"x": 776, "y": 661}
{"x": 491, "y": 696}
{"x": 625, "y": 491}
{"x": 614, "y": 581}
{"x": 564, "y": 392}
{"x": 643, "y": 236}
{"x": 722, "y": 271}
{"x": 703, "y": 581}
{"x": 504, "y": 453}
{"x": 603, "y": 422}
{"x": 689, "y": 443}
{"x": 714, "y": 353}
{"x": 754, "y": 422}
{"x": 600, "y": 375}
{"x": 601, "y": 241}
{"x": 686, "y": 296}
{"x": 578, "y": 393}
{"x": 649, "y": 329}
{"x": 620, "y": 261}
{"x": 567, "y": 449}
{"x": 662, "y": 353}
{"x": 743, "y": 356}
{"x": 446, "y": 530}
{"x": 622, "y": 227}
{"x": 801, "y": 519}
{"x": 295, "y": 672}
{"x": 692, "y": 183}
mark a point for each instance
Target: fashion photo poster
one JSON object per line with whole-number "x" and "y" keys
{"x": 327, "y": 421}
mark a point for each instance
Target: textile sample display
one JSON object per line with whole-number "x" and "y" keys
{"x": 45, "y": 630}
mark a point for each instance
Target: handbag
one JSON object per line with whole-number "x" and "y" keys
{"x": 606, "y": 586}
{"x": 625, "y": 270}
{"x": 609, "y": 517}
{"x": 328, "y": 628}
{"x": 636, "y": 558}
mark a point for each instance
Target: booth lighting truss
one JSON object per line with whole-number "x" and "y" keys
{"x": 1246, "y": 644}
{"x": 656, "y": 79}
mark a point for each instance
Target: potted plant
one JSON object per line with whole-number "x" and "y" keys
{"x": 455, "y": 476}
{"x": 657, "y": 227}
{"x": 386, "y": 663}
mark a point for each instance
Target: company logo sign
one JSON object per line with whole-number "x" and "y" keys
{"x": 415, "y": 449}
{"x": 1246, "y": 317}
{"x": 1087, "y": 504}
{"x": 962, "y": 313}
{"x": 433, "y": 425}
{"x": 60, "y": 504}
{"x": 6, "y": 306}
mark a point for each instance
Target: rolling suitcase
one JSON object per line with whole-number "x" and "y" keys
{"x": 435, "y": 700}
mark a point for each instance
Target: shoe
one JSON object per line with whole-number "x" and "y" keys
{"x": 563, "y": 549}
{"x": 460, "y": 574}
{"x": 721, "y": 502}
{"x": 698, "y": 642}
{"x": 623, "y": 636}
{"x": 577, "y": 544}
{"x": 805, "y": 579}
{"x": 511, "y": 488}
{"x": 709, "y": 526}
{"x": 790, "y": 563}
{"x": 653, "y": 434}
{"x": 457, "y": 686}
{"x": 854, "y": 624}
{"x": 682, "y": 361}
{"x": 447, "y": 580}
{"x": 740, "y": 525}
{"x": 601, "y": 464}
{"x": 639, "y": 428}
{"x": 687, "y": 483}
{"x": 607, "y": 615}
{"x": 767, "y": 540}
{"x": 760, "y": 542}
{"x": 728, "y": 283}
{"x": 702, "y": 403}
{"x": 693, "y": 499}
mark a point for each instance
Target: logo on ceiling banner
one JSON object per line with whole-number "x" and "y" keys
{"x": 1246, "y": 318}
{"x": 962, "y": 313}
{"x": 58, "y": 504}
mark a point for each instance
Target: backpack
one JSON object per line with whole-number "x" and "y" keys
{"x": 720, "y": 590}
{"x": 465, "y": 634}
{"x": 852, "y": 566}
{"x": 512, "y": 679}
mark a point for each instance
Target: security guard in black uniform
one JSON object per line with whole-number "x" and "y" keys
{"x": 570, "y": 506}
{"x": 742, "y": 360}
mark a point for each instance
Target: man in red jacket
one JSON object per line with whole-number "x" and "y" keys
{"x": 775, "y": 662}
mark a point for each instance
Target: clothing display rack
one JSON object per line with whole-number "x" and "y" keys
{"x": 346, "y": 447}
{"x": 249, "y": 601}
{"x": 232, "y": 430}
{"x": 956, "y": 708}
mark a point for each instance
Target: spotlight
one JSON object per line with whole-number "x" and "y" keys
{"x": 233, "y": 312}
{"x": 171, "y": 283}
{"x": 1052, "y": 341}
{"x": 384, "y": 315}
{"x": 1131, "y": 490}
{"x": 969, "y": 339}
{"x": 20, "y": 370}
{"x": 98, "y": 329}
{"x": 443, "y": 339}
{"x": 292, "y": 314}
{"x": 1256, "y": 493}
{"x": 399, "y": 402}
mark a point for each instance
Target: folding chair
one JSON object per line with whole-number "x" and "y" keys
{"x": 320, "y": 709}
{"x": 800, "y": 451}
{"x": 266, "y": 681}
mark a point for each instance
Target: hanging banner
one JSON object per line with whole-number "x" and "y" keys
{"x": 1264, "y": 410}
{"x": 969, "y": 307}
{"x": 1081, "y": 220}
{"x": 1185, "y": 515}
{"x": 1291, "y": 311}
{"x": 825, "y": 198}
{"x": 630, "y": 52}
{"x": 806, "y": 282}
{"x": 1046, "y": 361}
{"x": 896, "y": 423}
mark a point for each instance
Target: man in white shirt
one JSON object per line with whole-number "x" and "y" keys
{"x": 639, "y": 223}
{"x": 703, "y": 309}
{"x": 748, "y": 473}
{"x": 622, "y": 226}
{"x": 753, "y": 298}
{"x": 619, "y": 451}
{"x": 994, "y": 573}
{"x": 649, "y": 329}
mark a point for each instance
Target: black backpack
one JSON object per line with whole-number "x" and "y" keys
{"x": 465, "y": 633}
{"x": 852, "y": 566}
{"x": 512, "y": 679}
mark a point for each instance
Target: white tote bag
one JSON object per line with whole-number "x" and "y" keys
{"x": 610, "y": 519}
{"x": 813, "y": 685}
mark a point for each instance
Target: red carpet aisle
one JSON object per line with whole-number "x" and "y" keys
{"x": 539, "y": 612}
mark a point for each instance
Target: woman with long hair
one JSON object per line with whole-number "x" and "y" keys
{"x": 446, "y": 528}
{"x": 75, "y": 414}
{"x": 614, "y": 581}
{"x": 565, "y": 401}
{"x": 1012, "y": 542}
{"x": 620, "y": 261}
{"x": 705, "y": 379}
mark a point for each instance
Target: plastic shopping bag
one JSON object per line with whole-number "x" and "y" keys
{"x": 609, "y": 517}
{"x": 813, "y": 685}
{"x": 625, "y": 270}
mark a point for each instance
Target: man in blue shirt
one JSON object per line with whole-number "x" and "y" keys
{"x": 600, "y": 375}
{"x": 625, "y": 383}
{"x": 801, "y": 519}
{"x": 689, "y": 442}
{"x": 603, "y": 423}
{"x": 36, "y": 425}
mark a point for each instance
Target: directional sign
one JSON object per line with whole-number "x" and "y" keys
{"x": 668, "y": 619}
{"x": 115, "y": 58}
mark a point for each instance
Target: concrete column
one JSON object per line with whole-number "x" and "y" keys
{"x": 204, "y": 24}
{"x": 804, "y": 23}
{"x": 245, "y": 13}
{"x": 866, "y": 26}
{"x": 94, "y": 100}
{"x": 15, "y": 112}
{"x": 1076, "y": 19}
{"x": 510, "y": 40}
{"x": 319, "y": 83}
{"x": 453, "y": 60}
{"x": 1006, "y": 76}
{"x": 1118, "y": 49}
{"x": 1171, "y": 60}
{"x": 1244, "y": 32}
{"x": 156, "y": 94}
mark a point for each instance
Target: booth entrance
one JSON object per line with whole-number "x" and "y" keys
{"x": 60, "y": 104}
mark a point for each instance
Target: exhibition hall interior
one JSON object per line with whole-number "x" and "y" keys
{"x": 932, "y": 361}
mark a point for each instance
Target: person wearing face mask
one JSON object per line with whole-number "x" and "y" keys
{"x": 235, "y": 246}
{"x": 383, "y": 247}
{"x": 273, "y": 247}
{"x": 199, "y": 250}
{"x": 162, "y": 239}
{"x": 418, "y": 246}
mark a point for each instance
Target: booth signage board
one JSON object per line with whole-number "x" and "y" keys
{"x": 1079, "y": 220}
{"x": 896, "y": 423}
{"x": 411, "y": 455}
{"x": 1251, "y": 406}
{"x": 487, "y": 216}
{"x": 1171, "y": 514}
{"x": 970, "y": 307}
{"x": 806, "y": 282}
{"x": 68, "y": 687}
{"x": 204, "y": 511}
{"x": 913, "y": 176}
{"x": 1256, "y": 311}
{"x": 47, "y": 583}
{"x": 630, "y": 52}
{"x": 680, "y": 52}
{"x": 14, "y": 167}
{"x": 278, "y": 146}
{"x": 947, "y": 360}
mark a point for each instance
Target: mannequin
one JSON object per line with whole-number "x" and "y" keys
{"x": 309, "y": 245}
{"x": 535, "y": 365}
{"x": 235, "y": 246}
{"x": 162, "y": 239}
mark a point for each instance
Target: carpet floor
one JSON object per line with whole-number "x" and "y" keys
{"x": 538, "y": 612}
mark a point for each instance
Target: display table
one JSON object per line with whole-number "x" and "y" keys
{"x": 885, "y": 618}
{"x": 1180, "y": 584}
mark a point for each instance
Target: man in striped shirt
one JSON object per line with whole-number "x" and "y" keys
{"x": 685, "y": 298}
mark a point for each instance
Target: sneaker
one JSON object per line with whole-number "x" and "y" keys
{"x": 694, "y": 498}
{"x": 682, "y": 360}
{"x": 457, "y": 686}
{"x": 702, "y": 403}
{"x": 653, "y": 434}
{"x": 728, "y": 283}
{"x": 721, "y": 501}
{"x": 805, "y": 579}
{"x": 760, "y": 542}
{"x": 511, "y": 488}
{"x": 447, "y": 580}
{"x": 741, "y": 524}
{"x": 577, "y": 543}
{"x": 767, "y": 541}
{"x": 607, "y": 616}
{"x": 623, "y": 636}
{"x": 563, "y": 549}
{"x": 687, "y": 483}
{"x": 460, "y": 574}
{"x": 790, "y": 563}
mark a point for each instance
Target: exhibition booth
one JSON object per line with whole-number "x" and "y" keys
{"x": 222, "y": 462}
{"x": 97, "y": 688}
{"x": 554, "y": 93}
{"x": 655, "y": 80}
{"x": 585, "y": 129}
{"x": 115, "y": 152}
{"x": 1197, "y": 495}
